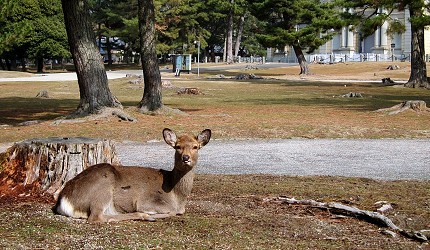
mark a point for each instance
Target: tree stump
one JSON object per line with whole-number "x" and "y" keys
{"x": 189, "y": 91}
{"x": 43, "y": 94}
{"x": 415, "y": 105}
{"x": 45, "y": 165}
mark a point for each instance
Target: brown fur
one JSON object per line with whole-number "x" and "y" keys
{"x": 104, "y": 192}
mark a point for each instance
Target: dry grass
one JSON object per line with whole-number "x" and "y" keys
{"x": 233, "y": 212}
{"x": 356, "y": 71}
{"x": 284, "y": 107}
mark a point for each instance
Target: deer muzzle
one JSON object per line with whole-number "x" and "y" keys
{"x": 186, "y": 159}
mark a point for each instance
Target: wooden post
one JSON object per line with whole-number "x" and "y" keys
{"x": 47, "y": 164}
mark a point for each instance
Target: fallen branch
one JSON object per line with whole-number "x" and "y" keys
{"x": 369, "y": 216}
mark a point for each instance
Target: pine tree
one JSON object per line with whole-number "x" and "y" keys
{"x": 302, "y": 24}
{"x": 152, "y": 98}
{"x": 95, "y": 94}
{"x": 419, "y": 19}
{"x": 33, "y": 29}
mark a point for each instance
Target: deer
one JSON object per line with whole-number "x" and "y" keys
{"x": 111, "y": 193}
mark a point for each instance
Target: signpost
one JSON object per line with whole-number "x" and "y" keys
{"x": 198, "y": 58}
{"x": 393, "y": 45}
{"x": 181, "y": 63}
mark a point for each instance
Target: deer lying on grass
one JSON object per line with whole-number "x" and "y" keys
{"x": 105, "y": 193}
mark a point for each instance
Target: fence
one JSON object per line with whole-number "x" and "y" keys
{"x": 336, "y": 58}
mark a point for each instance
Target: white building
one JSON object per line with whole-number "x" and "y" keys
{"x": 347, "y": 45}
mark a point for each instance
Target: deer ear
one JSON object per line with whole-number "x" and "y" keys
{"x": 204, "y": 137}
{"x": 169, "y": 137}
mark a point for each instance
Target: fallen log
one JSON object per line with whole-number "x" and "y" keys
{"x": 369, "y": 216}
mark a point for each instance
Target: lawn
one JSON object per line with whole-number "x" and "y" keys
{"x": 279, "y": 106}
{"x": 233, "y": 212}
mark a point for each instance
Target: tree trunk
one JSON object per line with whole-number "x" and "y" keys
{"x": 418, "y": 76}
{"x": 2, "y": 64}
{"x": 239, "y": 35}
{"x": 109, "y": 51}
{"x": 8, "y": 64}
{"x": 304, "y": 67}
{"x": 229, "y": 42}
{"x": 152, "y": 99}
{"x": 415, "y": 105}
{"x": 95, "y": 94}
{"x": 23, "y": 64}
{"x": 45, "y": 165}
{"x": 40, "y": 65}
{"x": 99, "y": 37}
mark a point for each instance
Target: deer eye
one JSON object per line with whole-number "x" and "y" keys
{"x": 196, "y": 147}
{"x": 177, "y": 147}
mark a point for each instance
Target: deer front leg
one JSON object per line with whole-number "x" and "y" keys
{"x": 127, "y": 216}
{"x": 156, "y": 215}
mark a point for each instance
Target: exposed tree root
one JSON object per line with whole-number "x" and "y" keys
{"x": 418, "y": 83}
{"x": 102, "y": 114}
{"x": 369, "y": 216}
{"x": 415, "y": 105}
{"x": 161, "y": 111}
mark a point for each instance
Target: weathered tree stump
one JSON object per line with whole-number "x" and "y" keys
{"x": 393, "y": 67}
{"x": 45, "y": 165}
{"x": 43, "y": 94}
{"x": 353, "y": 95}
{"x": 387, "y": 81}
{"x": 189, "y": 91}
{"x": 415, "y": 105}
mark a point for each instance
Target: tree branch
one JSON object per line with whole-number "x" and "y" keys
{"x": 369, "y": 216}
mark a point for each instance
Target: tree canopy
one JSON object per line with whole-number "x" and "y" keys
{"x": 380, "y": 12}
{"x": 32, "y": 29}
{"x": 303, "y": 24}
{"x": 35, "y": 29}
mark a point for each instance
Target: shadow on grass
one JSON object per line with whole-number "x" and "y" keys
{"x": 330, "y": 94}
{"x": 366, "y": 103}
{"x": 15, "y": 110}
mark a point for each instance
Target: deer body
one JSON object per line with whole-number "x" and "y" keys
{"x": 104, "y": 192}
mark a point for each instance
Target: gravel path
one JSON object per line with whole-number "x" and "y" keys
{"x": 387, "y": 159}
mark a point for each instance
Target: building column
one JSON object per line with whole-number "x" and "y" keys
{"x": 350, "y": 38}
{"x": 384, "y": 37}
{"x": 269, "y": 54}
{"x": 380, "y": 38}
{"x": 376, "y": 43}
{"x": 346, "y": 36}
{"x": 343, "y": 37}
{"x": 346, "y": 41}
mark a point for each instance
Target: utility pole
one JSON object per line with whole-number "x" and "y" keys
{"x": 198, "y": 58}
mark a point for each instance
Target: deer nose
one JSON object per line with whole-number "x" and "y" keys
{"x": 185, "y": 158}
